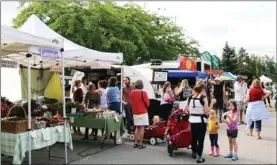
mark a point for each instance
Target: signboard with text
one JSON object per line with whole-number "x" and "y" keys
{"x": 160, "y": 76}
{"x": 49, "y": 53}
{"x": 8, "y": 64}
{"x": 55, "y": 68}
{"x": 100, "y": 65}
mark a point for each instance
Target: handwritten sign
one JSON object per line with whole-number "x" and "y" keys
{"x": 8, "y": 64}
{"x": 55, "y": 68}
{"x": 160, "y": 76}
{"x": 49, "y": 53}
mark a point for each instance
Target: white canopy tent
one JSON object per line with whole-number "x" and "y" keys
{"x": 265, "y": 79}
{"x": 75, "y": 55}
{"x": 20, "y": 46}
{"x": 143, "y": 74}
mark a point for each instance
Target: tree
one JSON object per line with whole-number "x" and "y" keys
{"x": 229, "y": 59}
{"x": 269, "y": 66}
{"x": 243, "y": 64}
{"x": 105, "y": 26}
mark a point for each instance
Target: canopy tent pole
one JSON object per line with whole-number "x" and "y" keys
{"x": 28, "y": 55}
{"x": 121, "y": 88}
{"x": 0, "y": 107}
{"x": 64, "y": 108}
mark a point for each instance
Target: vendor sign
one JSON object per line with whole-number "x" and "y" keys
{"x": 55, "y": 68}
{"x": 214, "y": 72}
{"x": 187, "y": 64}
{"x": 160, "y": 76}
{"x": 100, "y": 65}
{"x": 8, "y": 64}
{"x": 49, "y": 53}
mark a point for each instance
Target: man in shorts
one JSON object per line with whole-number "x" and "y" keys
{"x": 218, "y": 91}
{"x": 240, "y": 90}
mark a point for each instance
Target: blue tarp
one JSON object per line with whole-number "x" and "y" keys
{"x": 202, "y": 75}
{"x": 186, "y": 74}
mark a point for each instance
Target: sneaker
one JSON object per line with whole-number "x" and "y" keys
{"x": 194, "y": 155}
{"x": 235, "y": 157}
{"x": 200, "y": 160}
{"x": 229, "y": 156}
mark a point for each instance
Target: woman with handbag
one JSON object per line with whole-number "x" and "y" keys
{"x": 140, "y": 102}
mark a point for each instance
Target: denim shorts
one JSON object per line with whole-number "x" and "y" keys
{"x": 232, "y": 133}
{"x": 258, "y": 125}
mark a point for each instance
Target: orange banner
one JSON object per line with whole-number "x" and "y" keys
{"x": 187, "y": 64}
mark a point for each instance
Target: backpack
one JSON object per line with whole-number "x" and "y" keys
{"x": 186, "y": 93}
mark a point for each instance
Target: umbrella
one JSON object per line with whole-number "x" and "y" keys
{"x": 225, "y": 78}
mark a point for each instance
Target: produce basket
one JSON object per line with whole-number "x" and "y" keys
{"x": 92, "y": 113}
{"x": 16, "y": 125}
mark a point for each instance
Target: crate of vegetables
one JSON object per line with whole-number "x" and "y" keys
{"x": 17, "y": 124}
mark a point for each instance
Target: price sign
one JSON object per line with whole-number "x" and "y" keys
{"x": 8, "y": 64}
{"x": 55, "y": 69}
{"x": 160, "y": 76}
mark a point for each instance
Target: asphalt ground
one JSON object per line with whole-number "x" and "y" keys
{"x": 251, "y": 150}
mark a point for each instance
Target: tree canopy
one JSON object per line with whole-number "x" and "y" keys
{"x": 250, "y": 65}
{"x": 228, "y": 58}
{"x": 108, "y": 27}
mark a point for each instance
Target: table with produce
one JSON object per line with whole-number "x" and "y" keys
{"x": 102, "y": 119}
{"x": 47, "y": 128}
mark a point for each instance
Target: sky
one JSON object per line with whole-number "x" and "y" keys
{"x": 251, "y": 25}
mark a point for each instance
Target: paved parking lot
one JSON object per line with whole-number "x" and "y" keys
{"x": 251, "y": 151}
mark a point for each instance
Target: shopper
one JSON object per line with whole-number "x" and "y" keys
{"x": 140, "y": 103}
{"x": 113, "y": 95}
{"x": 92, "y": 100}
{"x": 256, "y": 110}
{"x": 102, "y": 85}
{"x": 240, "y": 96}
{"x": 198, "y": 109}
{"x": 218, "y": 91}
{"x": 231, "y": 119}
{"x": 184, "y": 90}
{"x": 127, "y": 89}
{"x": 78, "y": 92}
{"x": 84, "y": 85}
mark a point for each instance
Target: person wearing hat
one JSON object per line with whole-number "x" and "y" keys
{"x": 240, "y": 95}
{"x": 218, "y": 91}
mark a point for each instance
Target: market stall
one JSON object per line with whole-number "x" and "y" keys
{"x": 106, "y": 120}
{"x": 265, "y": 79}
{"x": 103, "y": 119}
{"x": 25, "y": 49}
{"x": 76, "y": 56}
{"x": 16, "y": 145}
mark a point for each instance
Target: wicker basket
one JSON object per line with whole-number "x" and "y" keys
{"x": 16, "y": 126}
{"x": 92, "y": 113}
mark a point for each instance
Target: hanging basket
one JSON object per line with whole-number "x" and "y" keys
{"x": 16, "y": 125}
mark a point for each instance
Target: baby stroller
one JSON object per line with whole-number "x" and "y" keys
{"x": 179, "y": 131}
{"x": 154, "y": 132}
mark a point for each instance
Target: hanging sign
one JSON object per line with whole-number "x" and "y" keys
{"x": 160, "y": 76}
{"x": 49, "y": 53}
{"x": 8, "y": 64}
{"x": 100, "y": 65}
{"x": 55, "y": 68}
